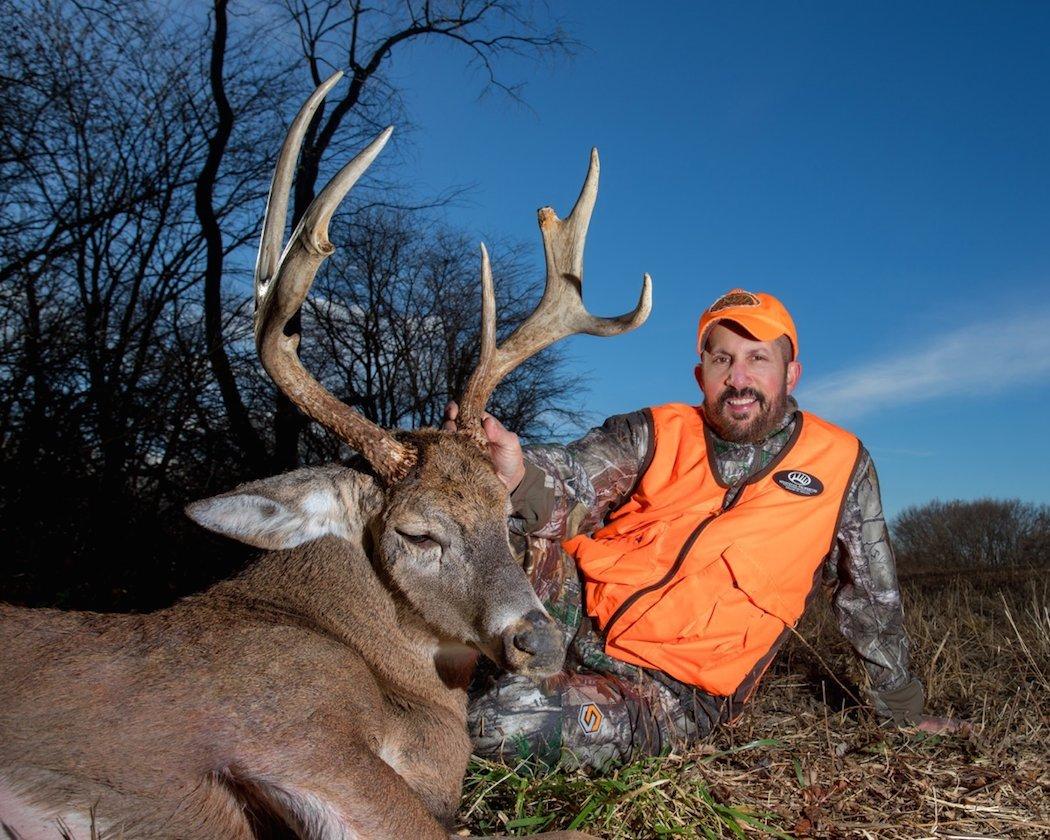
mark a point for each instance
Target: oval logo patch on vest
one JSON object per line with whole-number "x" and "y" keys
{"x": 798, "y": 482}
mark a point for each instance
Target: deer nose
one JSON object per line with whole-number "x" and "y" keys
{"x": 531, "y": 640}
{"x": 533, "y": 645}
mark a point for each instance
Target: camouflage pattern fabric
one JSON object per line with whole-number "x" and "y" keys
{"x": 861, "y": 574}
{"x": 600, "y": 710}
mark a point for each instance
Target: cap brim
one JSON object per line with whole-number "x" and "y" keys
{"x": 763, "y": 329}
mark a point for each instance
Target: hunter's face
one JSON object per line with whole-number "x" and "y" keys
{"x": 745, "y": 383}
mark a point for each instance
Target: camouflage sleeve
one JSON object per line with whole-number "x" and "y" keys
{"x": 597, "y": 472}
{"x": 866, "y": 597}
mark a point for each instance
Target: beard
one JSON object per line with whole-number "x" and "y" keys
{"x": 767, "y": 417}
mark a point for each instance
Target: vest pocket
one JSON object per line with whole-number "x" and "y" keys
{"x": 620, "y": 558}
{"x": 751, "y": 577}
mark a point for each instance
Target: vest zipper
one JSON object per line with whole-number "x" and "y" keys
{"x": 679, "y": 560}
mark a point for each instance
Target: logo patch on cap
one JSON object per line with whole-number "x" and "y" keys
{"x": 798, "y": 482}
{"x": 737, "y": 297}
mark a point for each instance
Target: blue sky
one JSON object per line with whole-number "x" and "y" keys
{"x": 883, "y": 168}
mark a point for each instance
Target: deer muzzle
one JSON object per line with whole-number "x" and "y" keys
{"x": 533, "y": 645}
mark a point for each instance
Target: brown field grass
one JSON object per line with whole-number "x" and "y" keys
{"x": 808, "y": 761}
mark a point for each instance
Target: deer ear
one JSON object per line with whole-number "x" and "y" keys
{"x": 267, "y": 523}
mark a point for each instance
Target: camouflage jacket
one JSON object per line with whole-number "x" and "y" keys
{"x": 600, "y": 471}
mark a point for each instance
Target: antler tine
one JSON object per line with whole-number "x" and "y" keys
{"x": 488, "y": 314}
{"x": 560, "y": 312}
{"x": 281, "y": 286}
{"x": 276, "y": 213}
{"x": 565, "y": 239}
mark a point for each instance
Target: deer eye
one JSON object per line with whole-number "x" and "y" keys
{"x": 422, "y": 540}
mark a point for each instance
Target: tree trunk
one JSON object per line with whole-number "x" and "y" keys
{"x": 244, "y": 433}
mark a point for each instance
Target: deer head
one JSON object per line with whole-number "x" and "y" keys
{"x": 436, "y": 525}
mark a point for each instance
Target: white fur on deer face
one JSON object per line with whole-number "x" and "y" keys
{"x": 438, "y": 538}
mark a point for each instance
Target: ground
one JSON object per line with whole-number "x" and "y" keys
{"x": 809, "y": 761}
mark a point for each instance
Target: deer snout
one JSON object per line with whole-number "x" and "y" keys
{"x": 533, "y": 645}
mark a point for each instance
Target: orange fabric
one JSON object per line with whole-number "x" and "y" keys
{"x": 761, "y": 314}
{"x": 742, "y": 577}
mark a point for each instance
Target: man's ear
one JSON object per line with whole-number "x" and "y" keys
{"x": 698, "y": 372}
{"x": 794, "y": 373}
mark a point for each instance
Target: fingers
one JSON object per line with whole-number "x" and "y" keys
{"x": 497, "y": 433}
{"x": 451, "y": 413}
{"x": 494, "y": 430}
{"x": 958, "y": 727}
{"x": 504, "y": 446}
{"x": 504, "y": 451}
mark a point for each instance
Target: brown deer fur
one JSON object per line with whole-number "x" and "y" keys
{"x": 310, "y": 693}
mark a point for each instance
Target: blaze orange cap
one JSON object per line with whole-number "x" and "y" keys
{"x": 762, "y": 315}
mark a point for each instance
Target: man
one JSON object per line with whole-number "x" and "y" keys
{"x": 677, "y": 546}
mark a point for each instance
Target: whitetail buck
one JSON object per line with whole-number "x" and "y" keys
{"x": 320, "y": 693}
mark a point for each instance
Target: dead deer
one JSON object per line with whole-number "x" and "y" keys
{"x": 320, "y": 693}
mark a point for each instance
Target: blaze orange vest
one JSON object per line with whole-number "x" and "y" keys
{"x": 684, "y": 581}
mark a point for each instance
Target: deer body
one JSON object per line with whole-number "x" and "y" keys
{"x": 307, "y": 691}
{"x": 209, "y": 691}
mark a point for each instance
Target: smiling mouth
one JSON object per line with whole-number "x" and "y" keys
{"x": 741, "y": 410}
{"x": 741, "y": 403}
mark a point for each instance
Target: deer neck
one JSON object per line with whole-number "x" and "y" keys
{"x": 331, "y": 586}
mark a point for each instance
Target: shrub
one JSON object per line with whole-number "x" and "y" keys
{"x": 984, "y": 533}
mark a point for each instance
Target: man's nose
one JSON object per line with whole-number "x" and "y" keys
{"x": 738, "y": 375}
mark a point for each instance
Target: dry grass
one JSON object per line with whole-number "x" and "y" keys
{"x": 808, "y": 762}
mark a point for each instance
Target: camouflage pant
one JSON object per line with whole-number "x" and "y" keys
{"x": 598, "y": 711}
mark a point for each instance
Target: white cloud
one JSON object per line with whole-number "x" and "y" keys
{"x": 993, "y": 356}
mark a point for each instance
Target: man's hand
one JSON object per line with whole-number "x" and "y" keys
{"x": 504, "y": 446}
{"x": 944, "y": 726}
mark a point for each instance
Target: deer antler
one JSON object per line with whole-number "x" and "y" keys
{"x": 282, "y": 281}
{"x": 560, "y": 312}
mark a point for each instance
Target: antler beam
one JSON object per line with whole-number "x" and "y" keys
{"x": 560, "y": 312}
{"x": 283, "y": 279}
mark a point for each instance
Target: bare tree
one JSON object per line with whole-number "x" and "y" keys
{"x": 243, "y": 430}
{"x": 103, "y": 254}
